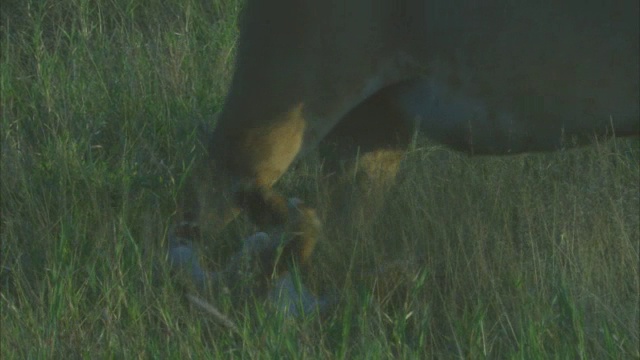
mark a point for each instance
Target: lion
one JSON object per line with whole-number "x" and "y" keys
{"x": 484, "y": 77}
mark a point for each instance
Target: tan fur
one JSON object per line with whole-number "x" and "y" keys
{"x": 492, "y": 77}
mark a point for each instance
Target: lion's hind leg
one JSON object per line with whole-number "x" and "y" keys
{"x": 364, "y": 152}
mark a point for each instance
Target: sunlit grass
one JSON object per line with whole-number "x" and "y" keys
{"x": 529, "y": 256}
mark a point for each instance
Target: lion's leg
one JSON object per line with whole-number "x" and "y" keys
{"x": 365, "y": 151}
{"x": 252, "y": 154}
{"x": 237, "y": 177}
{"x": 368, "y": 146}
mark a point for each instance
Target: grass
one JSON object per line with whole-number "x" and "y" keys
{"x": 530, "y": 256}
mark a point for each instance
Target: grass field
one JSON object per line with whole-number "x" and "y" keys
{"x": 533, "y": 256}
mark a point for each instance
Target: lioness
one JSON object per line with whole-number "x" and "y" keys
{"x": 486, "y": 77}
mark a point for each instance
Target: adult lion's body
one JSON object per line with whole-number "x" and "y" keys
{"x": 482, "y": 76}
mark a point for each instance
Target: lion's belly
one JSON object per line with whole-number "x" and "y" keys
{"x": 525, "y": 78}
{"x": 529, "y": 123}
{"x": 502, "y": 77}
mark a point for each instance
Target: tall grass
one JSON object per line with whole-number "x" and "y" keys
{"x": 530, "y": 256}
